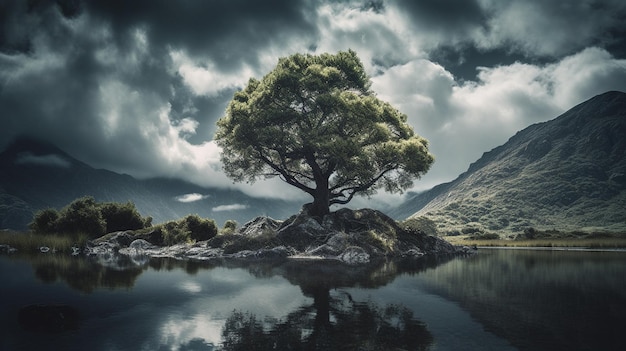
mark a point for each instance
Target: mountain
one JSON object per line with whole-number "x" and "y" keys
{"x": 566, "y": 174}
{"x": 36, "y": 175}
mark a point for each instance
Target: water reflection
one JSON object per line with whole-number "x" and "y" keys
{"x": 541, "y": 300}
{"x": 188, "y": 305}
{"x": 332, "y": 322}
{"x": 81, "y": 274}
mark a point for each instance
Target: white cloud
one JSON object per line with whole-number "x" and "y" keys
{"x": 463, "y": 120}
{"x": 379, "y": 38}
{"x": 52, "y": 160}
{"x": 192, "y": 197}
{"x": 206, "y": 79}
{"x": 233, "y": 207}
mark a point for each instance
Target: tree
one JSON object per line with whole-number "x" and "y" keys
{"x": 314, "y": 122}
{"x": 82, "y": 216}
{"x": 120, "y": 216}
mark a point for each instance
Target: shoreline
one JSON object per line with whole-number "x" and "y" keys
{"x": 553, "y": 248}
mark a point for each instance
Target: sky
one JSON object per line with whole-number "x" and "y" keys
{"x": 137, "y": 86}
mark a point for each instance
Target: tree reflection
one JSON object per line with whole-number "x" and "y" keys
{"x": 330, "y": 323}
{"x": 82, "y": 275}
{"x": 334, "y": 321}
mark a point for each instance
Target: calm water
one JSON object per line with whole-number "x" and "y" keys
{"x": 495, "y": 300}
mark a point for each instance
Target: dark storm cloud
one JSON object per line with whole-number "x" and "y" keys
{"x": 451, "y": 17}
{"x": 229, "y": 31}
{"x": 464, "y": 35}
{"x": 137, "y": 86}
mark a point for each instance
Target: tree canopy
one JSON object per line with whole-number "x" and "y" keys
{"x": 314, "y": 122}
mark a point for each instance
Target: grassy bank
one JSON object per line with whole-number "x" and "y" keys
{"x": 583, "y": 242}
{"x": 29, "y": 242}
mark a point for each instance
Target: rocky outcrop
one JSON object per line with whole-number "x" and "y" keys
{"x": 350, "y": 236}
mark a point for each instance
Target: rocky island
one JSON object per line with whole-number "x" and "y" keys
{"x": 350, "y": 236}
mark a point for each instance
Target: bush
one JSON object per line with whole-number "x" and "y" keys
{"x": 173, "y": 232}
{"x": 82, "y": 216}
{"x": 190, "y": 228}
{"x": 121, "y": 217}
{"x": 85, "y": 215}
{"x": 230, "y": 226}
{"x": 199, "y": 228}
{"x": 426, "y": 225}
{"x": 45, "y": 221}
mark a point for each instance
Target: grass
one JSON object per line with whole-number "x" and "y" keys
{"x": 614, "y": 242}
{"x": 29, "y": 242}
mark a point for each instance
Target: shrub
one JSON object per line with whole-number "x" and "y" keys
{"x": 173, "y": 232}
{"x": 85, "y": 215}
{"x": 121, "y": 216}
{"x": 82, "y": 216}
{"x": 45, "y": 221}
{"x": 426, "y": 225}
{"x": 230, "y": 226}
{"x": 483, "y": 236}
{"x": 199, "y": 228}
{"x": 190, "y": 228}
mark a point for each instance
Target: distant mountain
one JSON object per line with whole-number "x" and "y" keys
{"x": 566, "y": 174}
{"x": 36, "y": 175}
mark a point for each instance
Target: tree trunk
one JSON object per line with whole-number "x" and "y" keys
{"x": 321, "y": 203}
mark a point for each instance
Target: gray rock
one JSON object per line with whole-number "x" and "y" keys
{"x": 7, "y": 249}
{"x": 355, "y": 255}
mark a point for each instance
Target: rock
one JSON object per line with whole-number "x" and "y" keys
{"x": 123, "y": 239}
{"x": 7, "y": 249}
{"x": 260, "y": 226}
{"x": 412, "y": 253}
{"x": 350, "y": 236}
{"x": 302, "y": 232}
{"x": 355, "y": 255}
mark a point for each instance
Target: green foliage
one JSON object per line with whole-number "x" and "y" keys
{"x": 314, "y": 120}
{"x": 425, "y": 224}
{"x": 85, "y": 215}
{"x": 121, "y": 216}
{"x": 45, "y": 221}
{"x": 173, "y": 232}
{"x": 230, "y": 226}
{"x": 188, "y": 229}
{"x": 82, "y": 216}
{"x": 31, "y": 242}
{"x": 199, "y": 228}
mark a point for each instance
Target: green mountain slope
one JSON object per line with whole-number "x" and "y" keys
{"x": 565, "y": 174}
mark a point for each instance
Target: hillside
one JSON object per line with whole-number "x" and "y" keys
{"x": 567, "y": 174}
{"x": 36, "y": 175}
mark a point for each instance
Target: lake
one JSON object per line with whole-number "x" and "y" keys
{"x": 495, "y": 300}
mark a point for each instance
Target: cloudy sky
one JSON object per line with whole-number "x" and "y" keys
{"x": 137, "y": 86}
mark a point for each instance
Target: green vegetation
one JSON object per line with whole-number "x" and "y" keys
{"x": 425, "y": 224}
{"x": 534, "y": 238}
{"x": 229, "y": 227}
{"x": 86, "y": 216}
{"x": 189, "y": 229}
{"x": 32, "y": 242}
{"x": 85, "y": 219}
{"x": 232, "y": 242}
{"x": 314, "y": 122}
